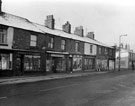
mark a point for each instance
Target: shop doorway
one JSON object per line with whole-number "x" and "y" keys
{"x": 58, "y": 64}
{"x": 19, "y": 64}
{"x": 70, "y": 64}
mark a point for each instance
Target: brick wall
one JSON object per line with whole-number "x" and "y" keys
{"x": 21, "y": 40}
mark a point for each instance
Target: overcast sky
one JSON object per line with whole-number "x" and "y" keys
{"x": 107, "y": 18}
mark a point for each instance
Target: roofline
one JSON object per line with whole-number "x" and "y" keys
{"x": 43, "y": 32}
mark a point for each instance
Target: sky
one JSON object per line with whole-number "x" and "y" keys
{"x": 108, "y": 19}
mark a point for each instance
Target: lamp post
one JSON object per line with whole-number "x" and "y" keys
{"x": 120, "y": 49}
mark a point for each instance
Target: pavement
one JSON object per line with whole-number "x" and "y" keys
{"x": 27, "y": 79}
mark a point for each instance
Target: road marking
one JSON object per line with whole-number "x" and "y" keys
{"x": 4, "y": 97}
{"x": 44, "y": 90}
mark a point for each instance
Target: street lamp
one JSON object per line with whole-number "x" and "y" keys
{"x": 120, "y": 49}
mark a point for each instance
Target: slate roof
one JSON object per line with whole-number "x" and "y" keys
{"x": 23, "y": 23}
{"x": 70, "y": 36}
{"x": 18, "y": 22}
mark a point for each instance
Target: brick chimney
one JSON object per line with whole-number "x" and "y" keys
{"x": 0, "y": 6}
{"x": 67, "y": 27}
{"x": 79, "y": 31}
{"x": 50, "y": 21}
{"x": 91, "y": 35}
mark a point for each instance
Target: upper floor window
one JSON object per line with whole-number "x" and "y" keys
{"x": 106, "y": 52}
{"x": 91, "y": 48}
{"x": 77, "y": 47}
{"x": 99, "y": 50}
{"x": 51, "y": 43}
{"x": 33, "y": 40}
{"x": 3, "y": 36}
{"x": 63, "y": 44}
{"x": 111, "y": 52}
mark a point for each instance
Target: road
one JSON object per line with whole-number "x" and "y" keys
{"x": 110, "y": 89}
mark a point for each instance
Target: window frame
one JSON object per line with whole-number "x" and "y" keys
{"x": 51, "y": 43}
{"x": 31, "y": 63}
{"x": 8, "y": 62}
{"x": 76, "y": 46}
{"x": 3, "y": 36}
{"x": 33, "y": 40}
{"x": 99, "y": 50}
{"x": 63, "y": 44}
{"x": 91, "y": 48}
{"x": 106, "y": 50}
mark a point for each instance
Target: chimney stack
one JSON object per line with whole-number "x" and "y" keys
{"x": 50, "y": 21}
{"x": 79, "y": 31}
{"x": 91, "y": 35}
{"x": 67, "y": 27}
{"x": 0, "y": 6}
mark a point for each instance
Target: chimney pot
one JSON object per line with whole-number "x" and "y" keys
{"x": 79, "y": 31}
{"x": 91, "y": 35}
{"x": 50, "y": 21}
{"x": 67, "y": 27}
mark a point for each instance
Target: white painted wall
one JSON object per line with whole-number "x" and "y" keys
{"x": 87, "y": 49}
{"x": 124, "y": 63}
{"x": 10, "y": 32}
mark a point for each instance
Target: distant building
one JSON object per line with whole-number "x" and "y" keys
{"x": 127, "y": 59}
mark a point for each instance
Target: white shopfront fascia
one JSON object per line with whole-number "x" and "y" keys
{"x": 57, "y": 54}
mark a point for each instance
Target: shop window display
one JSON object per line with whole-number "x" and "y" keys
{"x": 77, "y": 63}
{"x": 89, "y": 63}
{"x": 61, "y": 65}
{"x": 31, "y": 63}
{"x": 102, "y": 64}
{"x": 5, "y": 61}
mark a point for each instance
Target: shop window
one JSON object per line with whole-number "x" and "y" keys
{"x": 63, "y": 44}
{"x": 33, "y": 40}
{"x": 77, "y": 63}
{"x": 3, "y": 36}
{"x": 5, "y": 63}
{"x": 51, "y": 43}
{"x": 31, "y": 63}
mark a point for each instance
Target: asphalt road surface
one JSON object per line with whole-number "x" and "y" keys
{"x": 110, "y": 89}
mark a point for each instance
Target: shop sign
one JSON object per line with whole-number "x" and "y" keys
{"x": 57, "y": 55}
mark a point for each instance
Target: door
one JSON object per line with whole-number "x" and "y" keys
{"x": 19, "y": 64}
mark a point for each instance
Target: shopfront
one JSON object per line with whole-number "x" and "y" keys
{"x": 5, "y": 64}
{"x": 77, "y": 62}
{"x": 26, "y": 62}
{"x": 102, "y": 64}
{"x": 56, "y": 62}
{"x": 5, "y": 61}
{"x": 32, "y": 62}
{"x": 111, "y": 64}
{"x": 89, "y": 63}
